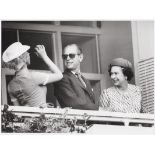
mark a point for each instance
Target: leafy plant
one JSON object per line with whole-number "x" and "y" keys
{"x": 42, "y": 124}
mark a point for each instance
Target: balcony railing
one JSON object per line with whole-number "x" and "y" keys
{"x": 94, "y": 116}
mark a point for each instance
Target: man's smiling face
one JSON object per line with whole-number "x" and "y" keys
{"x": 72, "y": 63}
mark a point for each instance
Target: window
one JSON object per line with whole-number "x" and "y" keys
{"x": 89, "y": 48}
{"x": 33, "y": 38}
{"x": 8, "y": 37}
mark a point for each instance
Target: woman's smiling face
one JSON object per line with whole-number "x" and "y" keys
{"x": 117, "y": 76}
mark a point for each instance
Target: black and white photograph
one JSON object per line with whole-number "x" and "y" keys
{"x": 77, "y": 77}
{"x": 90, "y": 77}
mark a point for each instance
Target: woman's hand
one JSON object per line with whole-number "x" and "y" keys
{"x": 40, "y": 51}
{"x": 55, "y": 74}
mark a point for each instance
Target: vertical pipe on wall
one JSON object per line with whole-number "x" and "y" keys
{"x": 53, "y": 39}
{"x": 98, "y": 55}
{"x": 18, "y": 35}
{"x": 58, "y": 44}
{"x": 135, "y": 49}
{"x": 4, "y": 87}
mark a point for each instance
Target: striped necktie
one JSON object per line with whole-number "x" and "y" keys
{"x": 80, "y": 79}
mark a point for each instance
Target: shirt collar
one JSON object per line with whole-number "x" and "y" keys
{"x": 75, "y": 72}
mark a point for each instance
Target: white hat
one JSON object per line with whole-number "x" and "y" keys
{"x": 14, "y": 51}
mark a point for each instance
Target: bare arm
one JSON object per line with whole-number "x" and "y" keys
{"x": 55, "y": 74}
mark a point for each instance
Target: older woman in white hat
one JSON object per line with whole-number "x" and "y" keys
{"x": 27, "y": 88}
{"x": 122, "y": 97}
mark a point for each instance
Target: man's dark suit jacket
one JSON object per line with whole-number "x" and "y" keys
{"x": 71, "y": 93}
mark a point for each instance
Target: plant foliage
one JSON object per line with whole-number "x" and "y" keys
{"x": 42, "y": 124}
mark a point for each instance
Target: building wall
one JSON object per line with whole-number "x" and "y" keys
{"x": 143, "y": 42}
{"x": 145, "y": 32}
{"x": 115, "y": 41}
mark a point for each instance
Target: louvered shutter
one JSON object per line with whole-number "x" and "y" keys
{"x": 146, "y": 81}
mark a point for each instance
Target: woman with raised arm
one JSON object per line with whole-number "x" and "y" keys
{"x": 27, "y": 88}
{"x": 122, "y": 97}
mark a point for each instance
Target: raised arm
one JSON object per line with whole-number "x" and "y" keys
{"x": 54, "y": 75}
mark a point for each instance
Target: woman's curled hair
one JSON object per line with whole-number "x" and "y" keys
{"x": 126, "y": 71}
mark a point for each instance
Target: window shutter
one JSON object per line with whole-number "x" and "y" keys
{"x": 146, "y": 81}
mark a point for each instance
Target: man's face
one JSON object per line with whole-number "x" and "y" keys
{"x": 73, "y": 58}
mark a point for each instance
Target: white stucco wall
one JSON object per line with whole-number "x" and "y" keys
{"x": 143, "y": 42}
{"x": 145, "y": 39}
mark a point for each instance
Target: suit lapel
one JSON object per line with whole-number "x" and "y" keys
{"x": 87, "y": 89}
{"x": 75, "y": 78}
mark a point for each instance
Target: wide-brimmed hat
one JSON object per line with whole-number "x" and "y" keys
{"x": 14, "y": 51}
{"x": 121, "y": 62}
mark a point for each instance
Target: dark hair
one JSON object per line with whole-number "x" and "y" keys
{"x": 126, "y": 71}
{"x": 78, "y": 47}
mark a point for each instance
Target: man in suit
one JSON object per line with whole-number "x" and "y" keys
{"x": 74, "y": 90}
